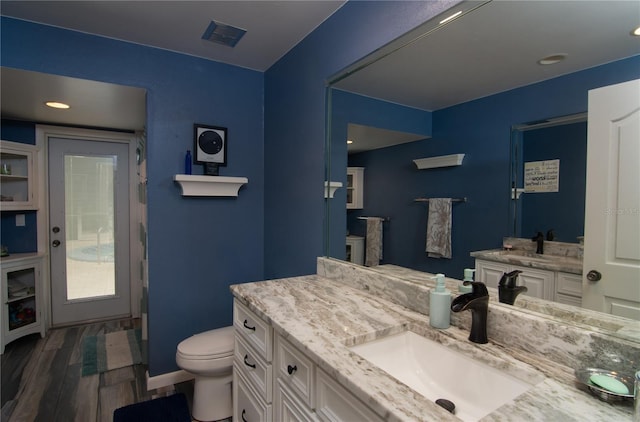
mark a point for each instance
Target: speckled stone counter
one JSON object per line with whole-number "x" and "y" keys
{"x": 322, "y": 317}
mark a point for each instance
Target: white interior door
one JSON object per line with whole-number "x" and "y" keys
{"x": 611, "y": 272}
{"x": 89, "y": 229}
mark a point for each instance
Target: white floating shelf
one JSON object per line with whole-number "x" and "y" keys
{"x": 193, "y": 185}
{"x": 441, "y": 161}
{"x": 330, "y": 188}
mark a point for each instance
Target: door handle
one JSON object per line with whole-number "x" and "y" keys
{"x": 594, "y": 275}
{"x": 55, "y": 243}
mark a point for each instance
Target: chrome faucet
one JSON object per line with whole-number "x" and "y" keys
{"x": 507, "y": 289}
{"x": 540, "y": 239}
{"x": 478, "y": 303}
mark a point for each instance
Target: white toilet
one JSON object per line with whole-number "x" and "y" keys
{"x": 209, "y": 356}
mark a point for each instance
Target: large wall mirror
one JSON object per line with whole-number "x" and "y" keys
{"x": 495, "y": 76}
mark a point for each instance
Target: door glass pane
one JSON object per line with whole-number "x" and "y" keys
{"x": 89, "y": 219}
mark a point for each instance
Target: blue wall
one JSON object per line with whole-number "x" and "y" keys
{"x": 481, "y": 130}
{"x": 295, "y": 123}
{"x": 197, "y": 246}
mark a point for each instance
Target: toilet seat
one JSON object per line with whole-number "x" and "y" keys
{"x": 208, "y": 345}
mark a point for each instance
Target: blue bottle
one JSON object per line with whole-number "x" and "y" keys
{"x": 187, "y": 162}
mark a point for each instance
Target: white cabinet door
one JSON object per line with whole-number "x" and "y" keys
{"x": 539, "y": 283}
{"x": 490, "y": 273}
{"x": 612, "y": 203}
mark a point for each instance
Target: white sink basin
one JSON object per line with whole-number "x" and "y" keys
{"x": 436, "y": 372}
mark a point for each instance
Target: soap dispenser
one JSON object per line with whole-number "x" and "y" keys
{"x": 440, "y": 304}
{"x": 468, "y": 276}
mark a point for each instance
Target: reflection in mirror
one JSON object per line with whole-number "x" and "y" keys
{"x": 464, "y": 97}
{"x": 561, "y": 209}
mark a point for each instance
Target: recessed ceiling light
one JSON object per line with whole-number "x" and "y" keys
{"x": 56, "y": 104}
{"x": 349, "y": 141}
{"x": 636, "y": 32}
{"x": 552, "y": 59}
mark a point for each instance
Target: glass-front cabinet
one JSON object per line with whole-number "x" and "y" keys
{"x": 355, "y": 180}
{"x": 17, "y": 187}
{"x": 21, "y": 297}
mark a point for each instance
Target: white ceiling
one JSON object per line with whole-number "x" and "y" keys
{"x": 491, "y": 48}
{"x": 495, "y": 48}
{"x": 273, "y": 27}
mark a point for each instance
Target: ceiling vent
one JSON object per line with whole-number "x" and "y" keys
{"x": 222, "y": 33}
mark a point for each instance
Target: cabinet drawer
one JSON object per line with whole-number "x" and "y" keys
{"x": 288, "y": 408}
{"x": 569, "y": 300}
{"x": 254, "y": 368}
{"x": 253, "y": 329}
{"x": 247, "y": 406}
{"x": 295, "y": 370}
{"x": 335, "y": 403}
{"x": 569, "y": 284}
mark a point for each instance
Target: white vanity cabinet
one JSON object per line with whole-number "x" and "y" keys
{"x": 289, "y": 387}
{"x": 22, "y": 304}
{"x": 569, "y": 289}
{"x": 355, "y": 249}
{"x": 539, "y": 283}
{"x": 355, "y": 186}
{"x": 544, "y": 284}
{"x": 252, "y": 367}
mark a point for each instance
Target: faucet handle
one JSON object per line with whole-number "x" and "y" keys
{"x": 479, "y": 288}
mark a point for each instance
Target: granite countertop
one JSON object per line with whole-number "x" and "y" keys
{"x": 323, "y": 317}
{"x": 525, "y": 258}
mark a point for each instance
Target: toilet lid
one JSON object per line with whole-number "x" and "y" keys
{"x": 208, "y": 345}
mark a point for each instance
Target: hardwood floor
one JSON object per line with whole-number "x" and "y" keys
{"x": 42, "y": 381}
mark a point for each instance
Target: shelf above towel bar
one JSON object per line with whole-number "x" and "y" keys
{"x": 452, "y": 199}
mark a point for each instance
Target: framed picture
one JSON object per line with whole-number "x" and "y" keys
{"x": 210, "y": 145}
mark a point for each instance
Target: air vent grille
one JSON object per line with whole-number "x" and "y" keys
{"x": 222, "y": 33}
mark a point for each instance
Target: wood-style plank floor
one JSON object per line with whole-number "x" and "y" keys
{"x": 42, "y": 379}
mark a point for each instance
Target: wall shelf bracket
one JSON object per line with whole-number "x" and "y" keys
{"x": 194, "y": 185}
{"x": 330, "y": 188}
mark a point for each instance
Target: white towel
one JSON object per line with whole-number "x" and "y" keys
{"x": 439, "y": 228}
{"x": 373, "y": 250}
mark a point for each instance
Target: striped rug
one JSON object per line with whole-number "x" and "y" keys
{"x": 104, "y": 352}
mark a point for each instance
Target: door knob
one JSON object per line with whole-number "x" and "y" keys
{"x": 594, "y": 275}
{"x": 55, "y": 243}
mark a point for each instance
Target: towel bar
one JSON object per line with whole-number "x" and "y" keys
{"x": 452, "y": 199}
{"x": 381, "y": 218}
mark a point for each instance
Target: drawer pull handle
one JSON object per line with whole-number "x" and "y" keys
{"x": 247, "y": 327}
{"x": 292, "y": 369}
{"x": 243, "y": 412}
{"x": 250, "y": 365}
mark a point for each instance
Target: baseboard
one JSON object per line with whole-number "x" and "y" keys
{"x": 165, "y": 380}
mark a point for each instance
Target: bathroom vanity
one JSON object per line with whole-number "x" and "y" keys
{"x": 294, "y": 359}
{"x": 555, "y": 275}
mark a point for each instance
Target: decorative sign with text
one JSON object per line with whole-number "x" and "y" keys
{"x": 542, "y": 176}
